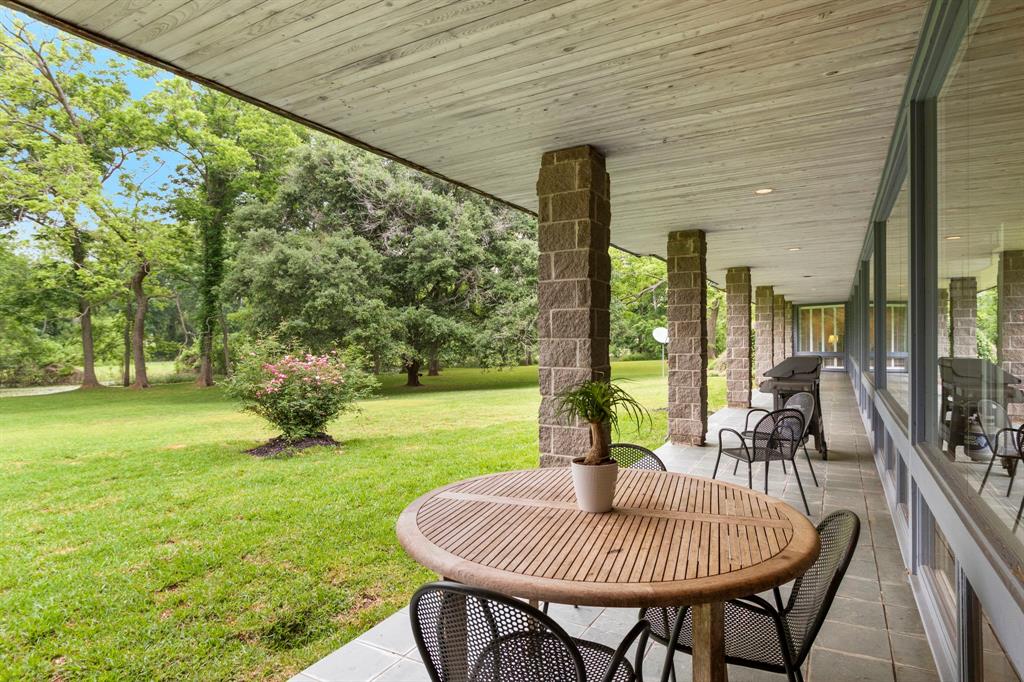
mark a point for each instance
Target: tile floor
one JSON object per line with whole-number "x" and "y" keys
{"x": 873, "y": 632}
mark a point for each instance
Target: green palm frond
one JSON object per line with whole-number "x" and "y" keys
{"x": 600, "y": 401}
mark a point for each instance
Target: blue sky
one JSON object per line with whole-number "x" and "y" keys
{"x": 139, "y": 87}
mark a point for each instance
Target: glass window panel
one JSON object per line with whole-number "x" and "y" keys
{"x": 996, "y": 667}
{"x": 897, "y": 291}
{"x": 805, "y": 329}
{"x": 821, "y": 332}
{"x": 981, "y": 254}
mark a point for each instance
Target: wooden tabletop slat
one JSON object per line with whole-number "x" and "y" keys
{"x": 671, "y": 538}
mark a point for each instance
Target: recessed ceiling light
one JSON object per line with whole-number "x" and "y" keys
{"x": 793, "y": 248}
{"x": 952, "y": 237}
{"x": 764, "y": 190}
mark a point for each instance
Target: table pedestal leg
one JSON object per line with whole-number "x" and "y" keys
{"x": 709, "y": 643}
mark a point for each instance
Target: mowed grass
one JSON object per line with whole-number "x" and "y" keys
{"x": 138, "y": 541}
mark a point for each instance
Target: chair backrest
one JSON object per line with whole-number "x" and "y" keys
{"x": 465, "y": 633}
{"x": 778, "y": 433}
{"x": 804, "y": 402}
{"x": 814, "y": 591}
{"x": 992, "y": 418}
{"x": 631, "y": 456}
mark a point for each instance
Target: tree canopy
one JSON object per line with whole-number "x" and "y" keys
{"x": 156, "y": 219}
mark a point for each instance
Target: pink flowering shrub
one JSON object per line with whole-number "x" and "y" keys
{"x": 299, "y": 393}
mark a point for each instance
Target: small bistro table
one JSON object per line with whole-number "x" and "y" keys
{"x": 671, "y": 540}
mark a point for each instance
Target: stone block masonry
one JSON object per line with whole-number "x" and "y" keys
{"x": 688, "y": 337}
{"x": 1011, "y": 319}
{"x": 764, "y": 331}
{"x": 573, "y": 231}
{"x": 789, "y": 330}
{"x": 737, "y": 337}
{"x": 779, "y": 329}
{"x": 963, "y": 316}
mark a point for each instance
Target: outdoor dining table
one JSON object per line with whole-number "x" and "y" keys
{"x": 671, "y": 540}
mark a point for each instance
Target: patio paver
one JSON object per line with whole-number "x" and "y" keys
{"x": 873, "y": 631}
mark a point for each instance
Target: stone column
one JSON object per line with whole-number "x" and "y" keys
{"x": 687, "y": 337}
{"x": 963, "y": 316}
{"x": 764, "y": 333}
{"x": 737, "y": 337}
{"x": 573, "y": 231}
{"x": 779, "y": 328}
{"x": 789, "y": 329}
{"x": 1011, "y": 318}
{"x": 943, "y": 323}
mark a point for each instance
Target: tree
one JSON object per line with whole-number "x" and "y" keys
{"x": 68, "y": 126}
{"x": 142, "y": 246}
{"x": 356, "y": 250}
{"x": 638, "y": 306}
{"x": 233, "y": 154}
{"x": 638, "y": 303}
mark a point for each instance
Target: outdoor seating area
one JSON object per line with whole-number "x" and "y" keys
{"x": 800, "y": 224}
{"x": 870, "y": 631}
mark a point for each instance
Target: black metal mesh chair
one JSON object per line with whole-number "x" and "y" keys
{"x": 1001, "y": 438}
{"x": 466, "y": 634}
{"x": 774, "y": 637}
{"x": 775, "y": 438}
{"x": 804, "y": 402}
{"x": 631, "y": 456}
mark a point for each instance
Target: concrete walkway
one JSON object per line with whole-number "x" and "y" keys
{"x": 873, "y": 632}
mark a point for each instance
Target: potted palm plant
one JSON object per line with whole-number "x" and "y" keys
{"x": 598, "y": 403}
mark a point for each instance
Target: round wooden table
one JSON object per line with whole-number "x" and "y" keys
{"x": 672, "y": 540}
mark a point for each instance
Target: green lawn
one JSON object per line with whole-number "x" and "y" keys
{"x": 158, "y": 371}
{"x": 137, "y": 541}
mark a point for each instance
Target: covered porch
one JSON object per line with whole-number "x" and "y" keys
{"x": 752, "y": 147}
{"x": 873, "y": 631}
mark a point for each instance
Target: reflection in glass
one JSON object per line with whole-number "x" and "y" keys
{"x": 897, "y": 293}
{"x": 822, "y": 331}
{"x": 981, "y": 255}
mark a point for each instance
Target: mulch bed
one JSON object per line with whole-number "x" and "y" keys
{"x": 280, "y": 446}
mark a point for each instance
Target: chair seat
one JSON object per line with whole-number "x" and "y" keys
{"x": 760, "y": 455}
{"x": 518, "y": 657}
{"x": 750, "y": 636}
{"x": 597, "y": 658}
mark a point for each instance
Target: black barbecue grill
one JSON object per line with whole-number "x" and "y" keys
{"x": 794, "y": 375}
{"x": 965, "y": 381}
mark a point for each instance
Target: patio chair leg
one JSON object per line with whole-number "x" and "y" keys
{"x": 988, "y": 470}
{"x": 1013, "y": 475}
{"x": 717, "y": 461}
{"x": 809, "y": 466}
{"x": 1019, "y": 512}
{"x": 750, "y": 475}
{"x": 801, "y": 486}
{"x": 736, "y": 468}
{"x": 784, "y": 468}
{"x": 766, "y": 477}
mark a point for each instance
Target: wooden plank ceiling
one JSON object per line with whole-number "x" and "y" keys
{"x": 696, "y": 104}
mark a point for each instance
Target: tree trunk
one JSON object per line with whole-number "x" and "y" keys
{"x": 89, "y": 379}
{"x": 224, "y": 341}
{"x": 713, "y": 329}
{"x": 205, "y": 378}
{"x": 599, "y": 446}
{"x": 126, "y": 360}
{"x": 412, "y": 373}
{"x": 434, "y": 365}
{"x": 181, "y": 319}
{"x": 139, "y": 327}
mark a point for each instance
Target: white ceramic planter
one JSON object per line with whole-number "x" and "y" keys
{"x": 594, "y": 485}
